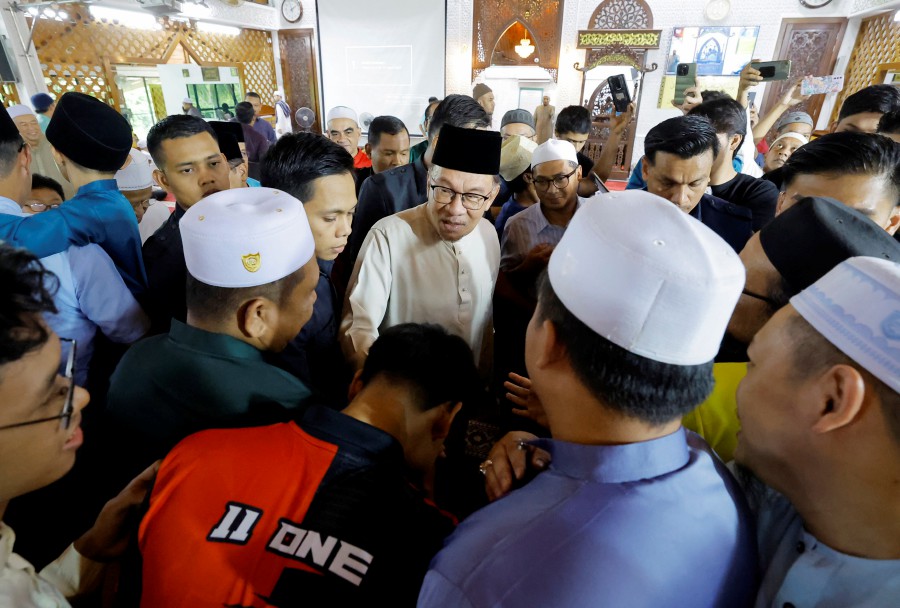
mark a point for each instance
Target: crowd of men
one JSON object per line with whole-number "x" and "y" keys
{"x": 457, "y": 373}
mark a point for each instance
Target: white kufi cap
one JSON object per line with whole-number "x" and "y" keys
{"x": 554, "y": 149}
{"x": 187, "y": 100}
{"x": 341, "y": 112}
{"x": 136, "y": 175}
{"x": 19, "y": 110}
{"x": 246, "y": 237}
{"x": 856, "y": 307}
{"x": 647, "y": 277}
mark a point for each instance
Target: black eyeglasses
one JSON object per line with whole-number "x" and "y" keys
{"x": 560, "y": 181}
{"x": 470, "y": 200}
{"x": 65, "y": 418}
{"x": 756, "y": 296}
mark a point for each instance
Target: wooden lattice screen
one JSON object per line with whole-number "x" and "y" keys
{"x": 77, "y": 52}
{"x": 9, "y": 94}
{"x": 878, "y": 42}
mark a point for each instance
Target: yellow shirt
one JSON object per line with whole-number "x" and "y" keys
{"x": 716, "y": 418}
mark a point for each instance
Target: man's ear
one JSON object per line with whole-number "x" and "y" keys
{"x": 644, "y": 164}
{"x": 256, "y": 318}
{"x": 445, "y": 413}
{"x": 356, "y": 386}
{"x": 550, "y": 349}
{"x": 843, "y": 394}
{"x": 735, "y": 141}
{"x": 368, "y": 148}
{"x": 161, "y": 179}
{"x": 25, "y": 158}
{"x": 780, "y": 203}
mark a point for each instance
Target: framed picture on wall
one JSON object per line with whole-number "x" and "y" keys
{"x": 210, "y": 74}
{"x": 530, "y": 98}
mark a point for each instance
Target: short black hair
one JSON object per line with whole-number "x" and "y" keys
{"x": 573, "y": 119}
{"x": 9, "y": 152}
{"x": 518, "y": 183}
{"x": 683, "y": 136}
{"x": 846, "y": 153}
{"x": 436, "y": 365}
{"x": 39, "y": 181}
{"x": 217, "y": 303}
{"x": 460, "y": 111}
{"x": 432, "y": 99}
{"x": 710, "y": 95}
{"x": 244, "y": 113}
{"x": 726, "y": 115}
{"x": 638, "y": 387}
{"x": 385, "y": 124}
{"x": 27, "y": 293}
{"x": 252, "y": 94}
{"x": 175, "y": 127}
{"x": 881, "y": 98}
{"x": 890, "y": 123}
{"x": 297, "y": 159}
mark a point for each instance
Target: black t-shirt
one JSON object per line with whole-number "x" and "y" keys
{"x": 586, "y": 164}
{"x": 757, "y": 195}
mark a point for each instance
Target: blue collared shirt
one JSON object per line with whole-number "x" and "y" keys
{"x": 98, "y": 213}
{"x": 525, "y": 231}
{"x": 656, "y": 523}
{"x": 90, "y": 295}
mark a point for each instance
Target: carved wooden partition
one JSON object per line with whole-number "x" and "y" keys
{"x": 9, "y": 94}
{"x": 543, "y": 18}
{"x": 298, "y": 66}
{"x": 878, "y": 42}
{"x": 812, "y": 46}
{"x": 78, "y": 52}
{"x": 620, "y": 34}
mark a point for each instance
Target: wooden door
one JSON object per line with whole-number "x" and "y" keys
{"x": 298, "y": 66}
{"x": 812, "y": 46}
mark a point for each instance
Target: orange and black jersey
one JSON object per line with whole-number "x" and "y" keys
{"x": 292, "y": 514}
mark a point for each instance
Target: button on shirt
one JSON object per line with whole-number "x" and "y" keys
{"x": 656, "y": 523}
{"x": 99, "y": 214}
{"x": 524, "y": 232}
{"x": 799, "y": 570}
{"x": 406, "y": 274}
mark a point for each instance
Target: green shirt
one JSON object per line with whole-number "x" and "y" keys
{"x": 417, "y": 151}
{"x": 43, "y": 121}
{"x": 169, "y": 386}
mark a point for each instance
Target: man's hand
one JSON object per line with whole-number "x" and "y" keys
{"x": 109, "y": 536}
{"x": 692, "y": 99}
{"x": 525, "y": 400}
{"x": 618, "y": 124}
{"x": 509, "y": 460}
{"x": 537, "y": 258}
{"x": 750, "y": 77}
{"x": 793, "y": 96}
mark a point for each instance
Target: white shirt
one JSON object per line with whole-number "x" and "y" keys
{"x": 527, "y": 229}
{"x": 154, "y": 217}
{"x": 747, "y": 152}
{"x": 801, "y": 571}
{"x": 405, "y": 273}
{"x": 22, "y": 587}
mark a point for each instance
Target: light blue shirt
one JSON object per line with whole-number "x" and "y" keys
{"x": 524, "y": 231}
{"x": 651, "y": 524}
{"x": 91, "y": 295}
{"x": 799, "y": 570}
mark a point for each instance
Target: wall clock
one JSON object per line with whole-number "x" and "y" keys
{"x": 717, "y": 10}
{"x": 814, "y": 3}
{"x": 292, "y": 10}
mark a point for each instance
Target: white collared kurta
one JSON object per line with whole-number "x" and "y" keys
{"x": 406, "y": 273}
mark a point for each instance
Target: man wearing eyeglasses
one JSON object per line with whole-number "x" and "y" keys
{"x": 436, "y": 262}
{"x": 529, "y": 237}
{"x": 39, "y": 434}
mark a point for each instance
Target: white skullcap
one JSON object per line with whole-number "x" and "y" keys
{"x": 554, "y": 149}
{"x": 797, "y": 136}
{"x": 19, "y": 110}
{"x": 187, "y": 100}
{"x": 246, "y": 237}
{"x": 647, "y": 277}
{"x": 137, "y": 175}
{"x": 278, "y": 92}
{"x": 856, "y": 307}
{"x": 515, "y": 156}
{"x": 341, "y": 112}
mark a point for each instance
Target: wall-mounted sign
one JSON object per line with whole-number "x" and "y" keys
{"x": 636, "y": 39}
{"x": 210, "y": 74}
